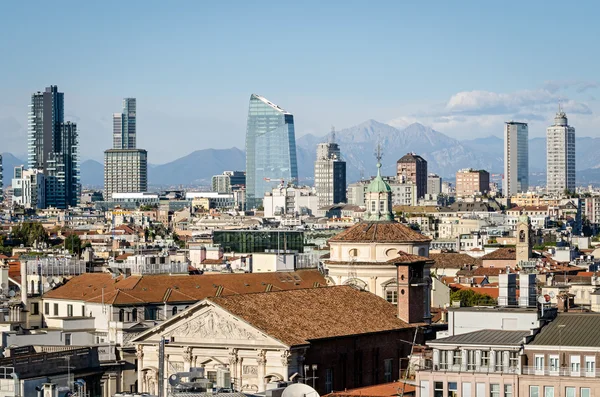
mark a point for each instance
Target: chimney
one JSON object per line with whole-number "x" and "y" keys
{"x": 527, "y": 290}
{"x": 507, "y": 285}
{"x": 24, "y": 282}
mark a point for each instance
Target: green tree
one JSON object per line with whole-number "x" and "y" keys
{"x": 468, "y": 298}
{"x": 30, "y": 232}
{"x": 73, "y": 243}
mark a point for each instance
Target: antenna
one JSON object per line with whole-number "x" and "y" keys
{"x": 332, "y": 135}
{"x": 379, "y": 152}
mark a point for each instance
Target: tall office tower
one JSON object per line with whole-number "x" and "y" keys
{"x": 124, "y": 126}
{"x": 125, "y": 167}
{"x": 53, "y": 148}
{"x": 516, "y": 158}
{"x": 1, "y": 186}
{"x": 413, "y": 168}
{"x": 270, "y": 149}
{"x": 330, "y": 174}
{"x": 560, "y": 160}
{"x": 228, "y": 181}
{"x": 434, "y": 184}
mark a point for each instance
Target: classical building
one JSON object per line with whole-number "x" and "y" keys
{"x": 523, "y": 239}
{"x": 335, "y": 337}
{"x": 379, "y": 255}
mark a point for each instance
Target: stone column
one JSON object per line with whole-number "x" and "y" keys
{"x": 478, "y": 360}
{"x": 464, "y": 358}
{"x": 233, "y": 360}
{"x": 492, "y": 360}
{"x": 139, "y": 354}
{"x": 285, "y": 362}
{"x": 261, "y": 361}
{"x": 187, "y": 358}
{"x": 436, "y": 357}
{"x": 505, "y": 360}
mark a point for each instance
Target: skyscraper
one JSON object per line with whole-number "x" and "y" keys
{"x": 560, "y": 161}
{"x": 516, "y": 158}
{"x": 330, "y": 174}
{"x": 270, "y": 149}
{"x": 413, "y": 168}
{"x": 53, "y": 148}
{"x": 125, "y": 167}
{"x": 124, "y": 126}
{"x": 1, "y": 186}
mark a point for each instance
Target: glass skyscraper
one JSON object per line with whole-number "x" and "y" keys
{"x": 124, "y": 126}
{"x": 270, "y": 149}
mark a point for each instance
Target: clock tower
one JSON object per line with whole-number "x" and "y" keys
{"x": 523, "y": 239}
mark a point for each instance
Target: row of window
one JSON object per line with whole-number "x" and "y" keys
{"x": 549, "y": 391}
{"x": 574, "y": 361}
{"x": 496, "y": 390}
{"x": 450, "y": 358}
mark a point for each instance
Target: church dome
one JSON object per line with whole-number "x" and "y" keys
{"x": 378, "y": 185}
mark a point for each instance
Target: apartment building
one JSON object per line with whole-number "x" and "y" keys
{"x": 471, "y": 182}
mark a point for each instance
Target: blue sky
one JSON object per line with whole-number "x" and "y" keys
{"x": 461, "y": 67}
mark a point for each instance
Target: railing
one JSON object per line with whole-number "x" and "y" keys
{"x": 561, "y": 371}
{"x": 470, "y": 369}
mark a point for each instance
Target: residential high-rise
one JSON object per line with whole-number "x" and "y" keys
{"x": 434, "y": 184}
{"x": 53, "y": 148}
{"x": 124, "y": 126}
{"x": 125, "y": 166}
{"x": 560, "y": 152}
{"x": 1, "y": 186}
{"x": 330, "y": 174}
{"x": 414, "y": 169}
{"x": 28, "y": 188}
{"x": 472, "y": 182}
{"x": 270, "y": 149}
{"x": 228, "y": 181}
{"x": 516, "y": 158}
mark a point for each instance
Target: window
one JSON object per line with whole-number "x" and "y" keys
{"x": 391, "y": 295}
{"x": 46, "y": 308}
{"x": 585, "y": 392}
{"x": 452, "y": 389}
{"x": 56, "y": 309}
{"x": 388, "y": 370}
{"x": 35, "y": 308}
{"x": 457, "y": 357}
{"x": 329, "y": 380}
{"x": 590, "y": 365}
{"x": 438, "y": 389}
{"x": 444, "y": 354}
{"x": 548, "y": 391}
{"x": 67, "y": 339}
{"x": 539, "y": 363}
{"x": 499, "y": 360}
{"x": 174, "y": 311}
{"x": 534, "y": 391}
{"x": 471, "y": 360}
{"x": 513, "y": 360}
{"x": 82, "y": 311}
{"x": 494, "y": 390}
{"x": 570, "y": 392}
{"x": 485, "y": 358}
{"x": 134, "y": 315}
{"x": 121, "y": 315}
{"x": 575, "y": 364}
{"x": 508, "y": 391}
{"x": 554, "y": 365}
{"x": 69, "y": 310}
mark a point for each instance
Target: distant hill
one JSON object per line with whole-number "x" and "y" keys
{"x": 9, "y": 162}
{"x": 92, "y": 173}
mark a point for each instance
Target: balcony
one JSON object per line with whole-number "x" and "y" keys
{"x": 472, "y": 369}
{"x": 561, "y": 371}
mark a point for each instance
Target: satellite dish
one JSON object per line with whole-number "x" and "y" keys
{"x": 46, "y": 285}
{"x": 552, "y": 294}
{"x": 49, "y": 279}
{"x": 174, "y": 380}
{"x": 299, "y": 390}
{"x": 56, "y": 280}
{"x": 541, "y": 300}
{"x": 11, "y": 293}
{"x": 3, "y": 285}
{"x": 53, "y": 284}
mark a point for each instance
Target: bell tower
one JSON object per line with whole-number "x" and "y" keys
{"x": 523, "y": 239}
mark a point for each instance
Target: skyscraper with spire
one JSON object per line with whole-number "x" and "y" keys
{"x": 560, "y": 160}
{"x": 330, "y": 173}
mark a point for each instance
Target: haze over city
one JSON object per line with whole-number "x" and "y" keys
{"x": 462, "y": 69}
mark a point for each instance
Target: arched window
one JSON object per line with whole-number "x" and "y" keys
{"x": 391, "y": 253}
{"x": 134, "y": 315}
{"x": 353, "y": 252}
{"x": 390, "y": 290}
{"x": 32, "y": 287}
{"x": 174, "y": 311}
{"x": 421, "y": 251}
{"x": 121, "y": 315}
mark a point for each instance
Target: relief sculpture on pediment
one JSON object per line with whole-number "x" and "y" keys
{"x": 210, "y": 326}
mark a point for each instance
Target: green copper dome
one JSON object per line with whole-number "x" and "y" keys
{"x": 378, "y": 185}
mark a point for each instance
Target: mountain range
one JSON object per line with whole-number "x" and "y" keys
{"x": 445, "y": 155}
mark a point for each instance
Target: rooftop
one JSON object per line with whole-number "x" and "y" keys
{"x": 488, "y": 337}
{"x": 451, "y": 260}
{"x": 380, "y": 232}
{"x": 501, "y": 254}
{"x": 571, "y": 329}
{"x": 383, "y": 390}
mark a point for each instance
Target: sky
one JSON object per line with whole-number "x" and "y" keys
{"x": 462, "y": 67}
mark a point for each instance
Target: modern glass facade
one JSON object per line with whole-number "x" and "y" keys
{"x": 125, "y": 171}
{"x": 516, "y": 158}
{"x": 270, "y": 149}
{"x": 249, "y": 241}
{"x": 46, "y": 113}
{"x": 560, "y": 156}
{"x": 124, "y": 125}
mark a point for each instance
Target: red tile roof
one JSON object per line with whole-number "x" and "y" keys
{"x": 448, "y": 260}
{"x": 392, "y": 389}
{"x": 381, "y": 232}
{"x": 501, "y": 254}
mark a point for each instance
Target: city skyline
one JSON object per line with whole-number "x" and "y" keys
{"x": 471, "y": 94}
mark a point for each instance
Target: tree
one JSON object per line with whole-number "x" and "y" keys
{"x": 468, "y": 298}
{"x": 28, "y": 233}
{"x": 73, "y": 243}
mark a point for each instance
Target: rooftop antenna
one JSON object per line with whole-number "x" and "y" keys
{"x": 379, "y": 152}
{"x": 332, "y": 135}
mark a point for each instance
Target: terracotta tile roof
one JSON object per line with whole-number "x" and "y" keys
{"x": 139, "y": 290}
{"x": 451, "y": 260}
{"x": 2, "y": 257}
{"x": 383, "y": 232}
{"x": 382, "y": 390}
{"x": 488, "y": 271}
{"x": 403, "y": 257}
{"x": 501, "y": 254}
{"x": 213, "y": 261}
{"x": 122, "y": 257}
{"x": 330, "y": 312}
{"x": 494, "y": 292}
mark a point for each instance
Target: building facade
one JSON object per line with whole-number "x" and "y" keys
{"x": 28, "y": 188}
{"x": 330, "y": 175}
{"x": 414, "y": 169}
{"x": 270, "y": 149}
{"x": 124, "y": 126}
{"x": 560, "y": 146}
{"x": 228, "y": 181}
{"x": 125, "y": 171}
{"x": 471, "y": 182}
{"x": 516, "y": 158}
{"x": 434, "y": 184}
